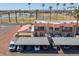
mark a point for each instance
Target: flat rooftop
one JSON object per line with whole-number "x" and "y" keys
{"x": 32, "y": 41}
{"x": 65, "y": 40}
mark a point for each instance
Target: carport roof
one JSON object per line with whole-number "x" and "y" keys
{"x": 65, "y": 40}
{"x": 32, "y": 41}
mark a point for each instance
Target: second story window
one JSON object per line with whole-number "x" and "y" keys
{"x": 39, "y": 28}
{"x": 56, "y": 29}
{"x": 51, "y": 28}
{"x": 67, "y": 28}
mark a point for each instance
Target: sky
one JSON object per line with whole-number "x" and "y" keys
{"x": 34, "y": 6}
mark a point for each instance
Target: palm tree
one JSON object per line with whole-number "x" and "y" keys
{"x": 43, "y": 9}
{"x": 37, "y": 14}
{"x": 9, "y": 16}
{"x": 16, "y": 16}
{"x": 71, "y": 10}
{"x": 57, "y": 11}
{"x": 19, "y": 12}
{"x": 29, "y": 5}
{"x": 1, "y": 19}
{"x": 29, "y": 10}
{"x": 50, "y": 7}
{"x": 63, "y": 9}
{"x": 76, "y": 13}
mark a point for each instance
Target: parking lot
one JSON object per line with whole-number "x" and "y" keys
{"x": 7, "y": 34}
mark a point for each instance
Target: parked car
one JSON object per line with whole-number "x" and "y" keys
{"x": 37, "y": 48}
{"x": 66, "y": 47}
{"x": 12, "y": 46}
{"x": 20, "y": 48}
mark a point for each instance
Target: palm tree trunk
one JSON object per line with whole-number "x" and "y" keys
{"x": 77, "y": 26}
{"x": 64, "y": 10}
{"x": 57, "y": 13}
{"x": 37, "y": 14}
{"x": 50, "y": 12}
{"x": 1, "y": 19}
{"x": 50, "y": 15}
{"x": 19, "y": 12}
{"x": 43, "y": 12}
{"x": 9, "y": 17}
{"x": 16, "y": 17}
{"x": 29, "y": 12}
{"x": 75, "y": 29}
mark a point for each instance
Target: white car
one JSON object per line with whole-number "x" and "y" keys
{"x": 37, "y": 48}
{"x": 12, "y": 46}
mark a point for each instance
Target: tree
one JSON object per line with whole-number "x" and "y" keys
{"x": 57, "y": 11}
{"x": 1, "y": 19}
{"x": 37, "y": 14}
{"x": 43, "y": 5}
{"x": 16, "y": 16}
{"x": 71, "y": 10}
{"x": 9, "y": 17}
{"x": 50, "y": 7}
{"x": 29, "y": 10}
{"x": 63, "y": 9}
{"x": 76, "y": 15}
{"x": 20, "y": 12}
{"x": 29, "y": 5}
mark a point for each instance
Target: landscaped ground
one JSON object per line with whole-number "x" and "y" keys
{"x": 31, "y": 19}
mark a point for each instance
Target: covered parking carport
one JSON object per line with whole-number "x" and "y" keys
{"x": 66, "y": 44}
{"x": 33, "y": 44}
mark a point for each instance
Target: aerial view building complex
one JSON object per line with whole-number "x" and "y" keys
{"x": 48, "y": 30}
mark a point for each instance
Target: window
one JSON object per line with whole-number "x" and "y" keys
{"x": 50, "y": 28}
{"x": 67, "y": 28}
{"x": 77, "y": 28}
{"x": 12, "y": 45}
{"x": 39, "y": 28}
{"x": 56, "y": 29}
